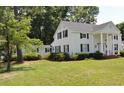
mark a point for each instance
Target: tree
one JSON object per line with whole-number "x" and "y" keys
{"x": 14, "y": 31}
{"x": 121, "y": 28}
{"x": 44, "y": 23}
{"x": 20, "y": 11}
{"x": 19, "y": 50}
{"x": 83, "y": 14}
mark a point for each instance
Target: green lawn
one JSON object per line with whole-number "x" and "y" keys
{"x": 86, "y": 72}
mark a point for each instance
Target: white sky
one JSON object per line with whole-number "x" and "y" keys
{"x": 110, "y": 13}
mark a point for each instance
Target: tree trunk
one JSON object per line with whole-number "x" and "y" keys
{"x": 8, "y": 55}
{"x": 19, "y": 50}
{"x": 19, "y": 54}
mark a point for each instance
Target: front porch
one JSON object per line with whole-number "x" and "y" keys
{"x": 105, "y": 43}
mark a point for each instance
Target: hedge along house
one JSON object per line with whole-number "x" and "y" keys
{"x": 73, "y": 37}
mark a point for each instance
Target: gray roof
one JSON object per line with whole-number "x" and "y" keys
{"x": 75, "y": 26}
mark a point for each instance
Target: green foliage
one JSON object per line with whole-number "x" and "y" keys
{"x": 82, "y": 56}
{"x": 52, "y": 15}
{"x": 121, "y": 28}
{"x": 91, "y": 55}
{"x": 74, "y": 56}
{"x": 59, "y": 57}
{"x": 98, "y": 55}
{"x": 15, "y": 30}
{"x": 28, "y": 57}
{"x": 46, "y": 56}
{"x": 122, "y": 53}
{"x": 84, "y": 14}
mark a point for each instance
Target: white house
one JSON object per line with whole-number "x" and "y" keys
{"x": 73, "y": 37}
{"x": 45, "y": 49}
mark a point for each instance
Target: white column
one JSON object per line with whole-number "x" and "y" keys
{"x": 101, "y": 41}
{"x": 93, "y": 43}
{"x": 113, "y": 51}
{"x": 107, "y": 44}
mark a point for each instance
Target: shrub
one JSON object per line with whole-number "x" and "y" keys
{"x": 91, "y": 55}
{"x": 98, "y": 55}
{"x": 122, "y": 53}
{"x": 67, "y": 56}
{"x": 74, "y": 57}
{"x": 32, "y": 56}
{"x": 52, "y": 56}
{"x": 45, "y": 56}
{"x": 82, "y": 56}
{"x": 27, "y": 57}
{"x": 59, "y": 56}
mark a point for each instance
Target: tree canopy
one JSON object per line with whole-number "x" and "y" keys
{"x": 14, "y": 31}
{"x": 121, "y": 28}
{"x": 46, "y": 19}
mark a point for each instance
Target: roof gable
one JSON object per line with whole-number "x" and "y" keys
{"x": 82, "y": 27}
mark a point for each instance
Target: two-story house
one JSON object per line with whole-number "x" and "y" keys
{"x": 73, "y": 37}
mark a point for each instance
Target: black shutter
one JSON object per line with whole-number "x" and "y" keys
{"x": 63, "y": 34}
{"x": 60, "y": 35}
{"x": 87, "y": 35}
{"x": 81, "y": 47}
{"x": 88, "y": 47}
{"x": 68, "y": 48}
{"x": 80, "y": 35}
{"x": 64, "y": 48}
{"x": 66, "y": 31}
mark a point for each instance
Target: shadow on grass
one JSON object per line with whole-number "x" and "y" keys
{"x": 15, "y": 69}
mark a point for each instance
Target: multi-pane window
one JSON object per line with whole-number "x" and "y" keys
{"x": 115, "y": 37}
{"x": 115, "y": 46}
{"x": 59, "y": 35}
{"x": 84, "y": 47}
{"x": 66, "y": 48}
{"x": 84, "y": 35}
{"x": 65, "y": 33}
{"x": 57, "y": 49}
{"x": 47, "y": 50}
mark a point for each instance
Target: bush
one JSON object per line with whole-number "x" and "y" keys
{"x": 29, "y": 57}
{"x": 98, "y": 55}
{"x": 122, "y": 53}
{"x": 91, "y": 55}
{"x": 82, "y": 56}
{"x": 45, "y": 56}
{"x": 59, "y": 56}
{"x": 74, "y": 57}
{"x": 67, "y": 56}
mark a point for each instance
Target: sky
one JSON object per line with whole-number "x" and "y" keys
{"x": 110, "y": 13}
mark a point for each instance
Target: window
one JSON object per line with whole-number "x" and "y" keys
{"x": 57, "y": 49}
{"x": 59, "y": 35}
{"x": 115, "y": 37}
{"x": 66, "y": 48}
{"x": 84, "y": 47}
{"x": 47, "y": 50}
{"x": 84, "y": 36}
{"x": 65, "y": 33}
{"x": 115, "y": 46}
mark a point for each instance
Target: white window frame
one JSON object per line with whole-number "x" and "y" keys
{"x": 84, "y": 47}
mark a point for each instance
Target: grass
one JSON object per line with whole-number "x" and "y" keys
{"x": 86, "y": 72}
